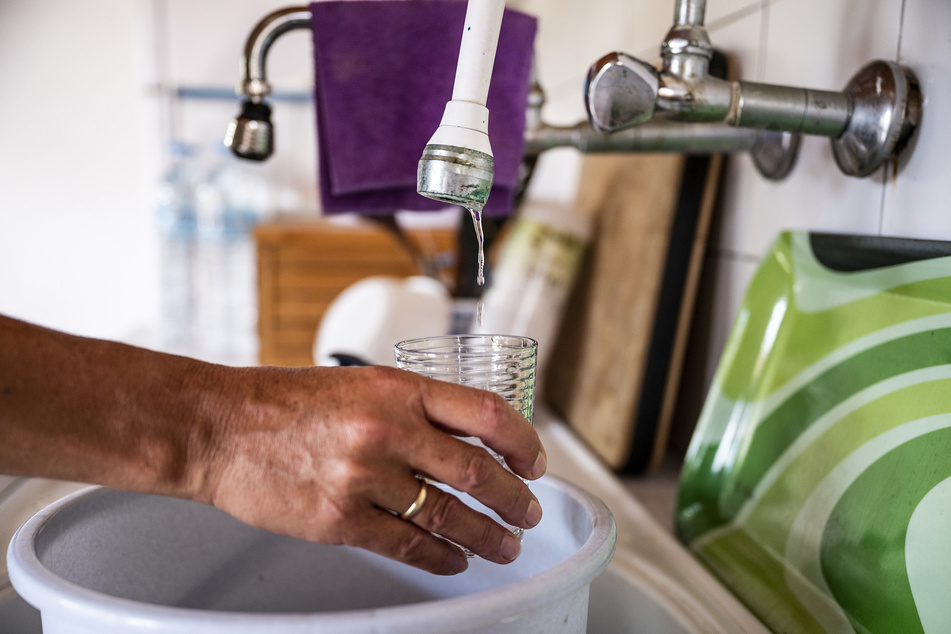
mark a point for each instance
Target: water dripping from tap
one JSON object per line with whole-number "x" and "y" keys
{"x": 480, "y": 237}
{"x": 476, "y": 214}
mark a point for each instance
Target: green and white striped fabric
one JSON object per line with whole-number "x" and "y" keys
{"x": 818, "y": 482}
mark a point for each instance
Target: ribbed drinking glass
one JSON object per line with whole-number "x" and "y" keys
{"x": 504, "y": 364}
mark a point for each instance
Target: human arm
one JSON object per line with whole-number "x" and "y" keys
{"x": 318, "y": 453}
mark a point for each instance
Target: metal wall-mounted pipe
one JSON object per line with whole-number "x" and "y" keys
{"x": 869, "y": 122}
{"x": 774, "y": 153}
{"x": 706, "y": 99}
{"x": 751, "y": 104}
{"x": 253, "y": 83}
{"x": 655, "y": 136}
{"x": 689, "y": 11}
{"x": 800, "y": 110}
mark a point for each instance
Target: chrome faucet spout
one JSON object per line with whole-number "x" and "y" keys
{"x": 250, "y": 134}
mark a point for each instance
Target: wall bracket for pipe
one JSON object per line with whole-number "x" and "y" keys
{"x": 886, "y": 111}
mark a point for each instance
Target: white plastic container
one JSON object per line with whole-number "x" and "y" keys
{"x": 103, "y": 561}
{"x": 371, "y": 315}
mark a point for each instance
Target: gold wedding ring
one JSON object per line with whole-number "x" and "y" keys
{"x": 417, "y": 504}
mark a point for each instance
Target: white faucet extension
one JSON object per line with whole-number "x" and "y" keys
{"x": 457, "y": 165}
{"x": 466, "y": 119}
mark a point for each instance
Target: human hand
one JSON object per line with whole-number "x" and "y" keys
{"x": 332, "y": 454}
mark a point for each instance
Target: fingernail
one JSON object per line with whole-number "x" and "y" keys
{"x": 534, "y": 514}
{"x": 459, "y": 563}
{"x": 540, "y": 466}
{"x": 510, "y": 547}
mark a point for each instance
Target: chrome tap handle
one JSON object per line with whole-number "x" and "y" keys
{"x": 620, "y": 92}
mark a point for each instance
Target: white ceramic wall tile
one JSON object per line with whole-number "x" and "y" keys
{"x": 822, "y": 43}
{"x": 816, "y": 196}
{"x": 206, "y": 39}
{"x": 817, "y": 44}
{"x": 739, "y": 38}
{"x": 720, "y": 12}
{"x": 916, "y": 202}
{"x": 572, "y": 35}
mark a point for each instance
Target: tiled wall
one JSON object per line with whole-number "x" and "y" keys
{"x": 809, "y": 43}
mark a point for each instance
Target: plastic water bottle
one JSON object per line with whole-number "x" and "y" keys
{"x": 176, "y": 222}
{"x": 231, "y": 197}
{"x": 175, "y": 208}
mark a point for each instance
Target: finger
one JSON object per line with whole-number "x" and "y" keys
{"x": 445, "y": 515}
{"x": 467, "y": 411}
{"x": 440, "y": 512}
{"x": 408, "y": 543}
{"x": 475, "y": 471}
{"x": 416, "y": 506}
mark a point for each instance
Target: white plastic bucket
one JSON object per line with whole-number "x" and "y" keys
{"x": 103, "y": 561}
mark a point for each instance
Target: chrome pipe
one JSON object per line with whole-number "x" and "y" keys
{"x": 654, "y": 136}
{"x": 869, "y": 122}
{"x": 250, "y": 134}
{"x": 689, "y": 11}
{"x": 773, "y": 153}
{"x": 801, "y": 110}
{"x": 254, "y": 84}
{"x": 693, "y": 97}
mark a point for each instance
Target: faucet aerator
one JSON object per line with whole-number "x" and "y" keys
{"x": 250, "y": 135}
{"x": 455, "y": 175}
{"x": 457, "y": 165}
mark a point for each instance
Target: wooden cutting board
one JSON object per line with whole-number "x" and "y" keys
{"x": 615, "y": 369}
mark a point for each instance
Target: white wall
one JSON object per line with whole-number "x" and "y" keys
{"x": 77, "y": 250}
{"x": 86, "y": 118}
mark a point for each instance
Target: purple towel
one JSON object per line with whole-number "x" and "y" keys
{"x": 383, "y": 74}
